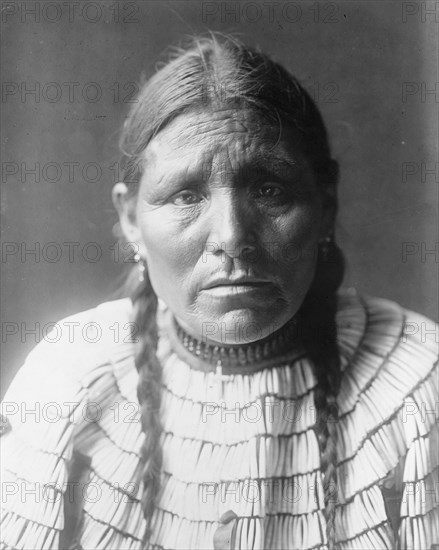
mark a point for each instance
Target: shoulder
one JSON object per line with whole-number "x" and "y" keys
{"x": 384, "y": 347}
{"x": 90, "y": 335}
{"x": 81, "y": 343}
{"x": 86, "y": 358}
{"x": 388, "y": 395}
{"x": 389, "y": 358}
{"x": 82, "y": 351}
{"x": 375, "y": 326}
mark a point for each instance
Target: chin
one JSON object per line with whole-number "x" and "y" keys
{"x": 241, "y": 326}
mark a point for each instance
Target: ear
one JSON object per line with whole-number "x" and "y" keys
{"x": 329, "y": 212}
{"x": 329, "y": 199}
{"x": 126, "y": 208}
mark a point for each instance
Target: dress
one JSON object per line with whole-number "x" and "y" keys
{"x": 244, "y": 442}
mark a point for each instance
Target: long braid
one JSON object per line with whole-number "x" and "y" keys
{"x": 320, "y": 340}
{"x": 149, "y": 395}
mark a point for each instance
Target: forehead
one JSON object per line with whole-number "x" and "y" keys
{"x": 231, "y": 134}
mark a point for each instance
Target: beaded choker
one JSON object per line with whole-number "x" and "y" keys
{"x": 230, "y": 357}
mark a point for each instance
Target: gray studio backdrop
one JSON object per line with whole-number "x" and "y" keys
{"x": 69, "y": 70}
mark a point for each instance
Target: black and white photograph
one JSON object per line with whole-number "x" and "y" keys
{"x": 219, "y": 260}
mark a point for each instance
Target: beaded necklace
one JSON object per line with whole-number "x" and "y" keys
{"x": 228, "y": 359}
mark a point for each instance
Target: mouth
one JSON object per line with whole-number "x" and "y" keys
{"x": 238, "y": 286}
{"x": 238, "y": 290}
{"x": 236, "y": 282}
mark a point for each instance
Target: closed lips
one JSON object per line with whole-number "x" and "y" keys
{"x": 237, "y": 282}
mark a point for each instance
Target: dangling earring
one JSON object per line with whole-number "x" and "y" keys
{"x": 326, "y": 247}
{"x": 141, "y": 265}
{"x": 329, "y": 266}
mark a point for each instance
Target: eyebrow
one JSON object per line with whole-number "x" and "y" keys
{"x": 272, "y": 161}
{"x": 279, "y": 160}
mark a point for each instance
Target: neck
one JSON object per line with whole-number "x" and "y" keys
{"x": 236, "y": 356}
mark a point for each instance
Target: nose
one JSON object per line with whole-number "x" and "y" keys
{"x": 232, "y": 225}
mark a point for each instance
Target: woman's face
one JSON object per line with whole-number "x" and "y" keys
{"x": 229, "y": 215}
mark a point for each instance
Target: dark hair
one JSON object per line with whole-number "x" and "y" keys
{"x": 209, "y": 73}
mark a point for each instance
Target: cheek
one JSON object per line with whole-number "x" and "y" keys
{"x": 170, "y": 254}
{"x": 296, "y": 235}
{"x": 296, "y": 252}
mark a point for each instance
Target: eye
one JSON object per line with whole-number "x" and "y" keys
{"x": 270, "y": 190}
{"x": 187, "y": 197}
{"x": 272, "y": 193}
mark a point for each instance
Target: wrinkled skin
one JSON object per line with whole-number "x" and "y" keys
{"x": 224, "y": 194}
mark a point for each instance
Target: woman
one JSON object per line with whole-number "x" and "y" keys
{"x": 238, "y": 399}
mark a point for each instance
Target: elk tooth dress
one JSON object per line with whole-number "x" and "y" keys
{"x": 240, "y": 443}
